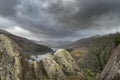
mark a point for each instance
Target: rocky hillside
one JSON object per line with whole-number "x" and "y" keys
{"x": 15, "y": 66}
{"x": 112, "y": 68}
{"x": 28, "y": 47}
{"x": 86, "y": 42}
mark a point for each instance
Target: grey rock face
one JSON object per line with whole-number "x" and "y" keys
{"x": 112, "y": 68}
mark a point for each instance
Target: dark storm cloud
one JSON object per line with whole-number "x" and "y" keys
{"x": 36, "y": 16}
{"x": 7, "y": 7}
{"x": 90, "y": 9}
{"x": 60, "y": 18}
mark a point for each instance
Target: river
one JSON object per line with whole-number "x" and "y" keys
{"x": 40, "y": 57}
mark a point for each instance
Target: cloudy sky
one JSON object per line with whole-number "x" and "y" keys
{"x": 59, "y": 19}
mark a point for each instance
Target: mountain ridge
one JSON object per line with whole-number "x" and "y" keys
{"x": 28, "y": 46}
{"x": 86, "y": 42}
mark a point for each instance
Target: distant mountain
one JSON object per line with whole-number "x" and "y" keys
{"x": 28, "y": 46}
{"x": 53, "y": 44}
{"x": 85, "y": 43}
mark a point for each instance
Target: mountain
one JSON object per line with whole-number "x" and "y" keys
{"x": 86, "y": 42}
{"x": 28, "y": 46}
{"x": 53, "y": 44}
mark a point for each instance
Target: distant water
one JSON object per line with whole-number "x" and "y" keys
{"x": 54, "y": 49}
{"x": 40, "y": 57}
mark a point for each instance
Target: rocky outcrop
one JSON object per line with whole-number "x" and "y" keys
{"x": 112, "y": 68}
{"x": 53, "y": 69}
{"x": 67, "y": 62}
{"x": 14, "y": 66}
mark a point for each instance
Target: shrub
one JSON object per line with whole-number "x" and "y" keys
{"x": 117, "y": 39}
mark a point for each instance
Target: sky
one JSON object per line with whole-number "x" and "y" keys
{"x": 59, "y": 19}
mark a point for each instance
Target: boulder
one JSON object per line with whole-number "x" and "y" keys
{"x": 53, "y": 69}
{"x": 67, "y": 62}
